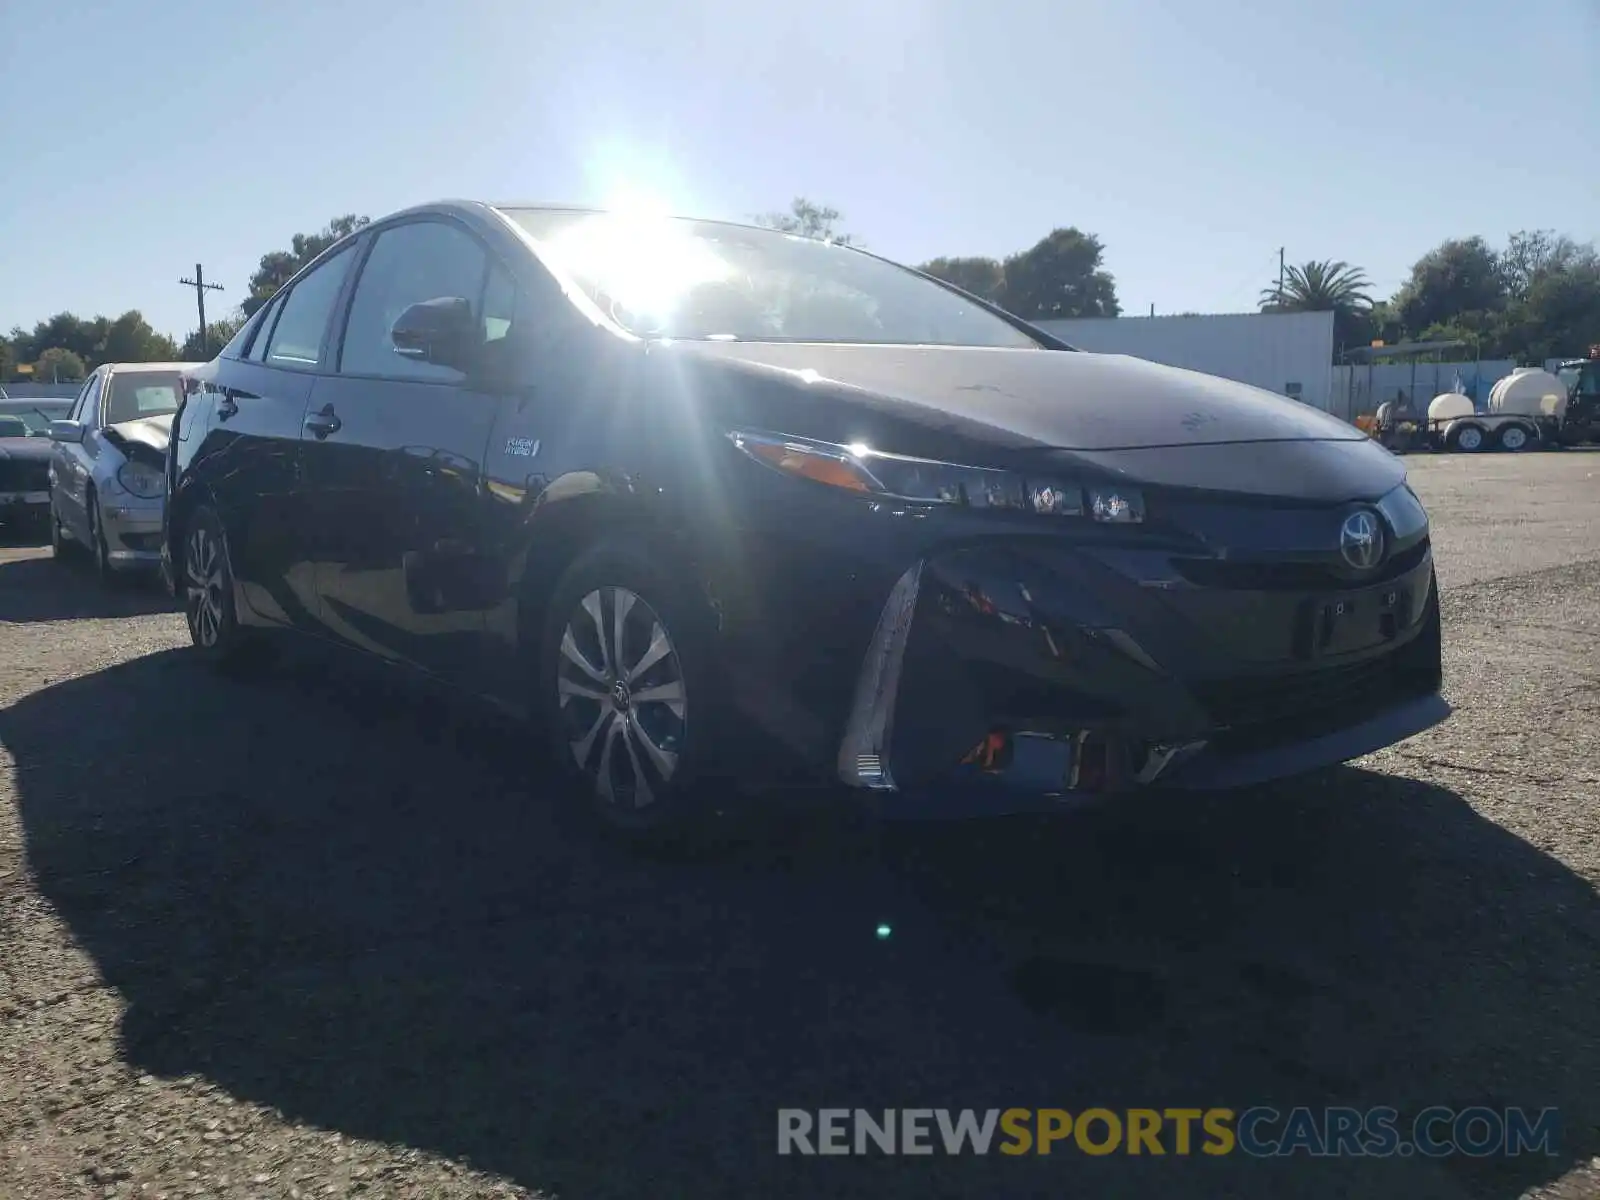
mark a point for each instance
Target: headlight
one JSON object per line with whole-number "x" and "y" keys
{"x": 896, "y": 476}
{"x": 1406, "y": 515}
{"x": 142, "y": 481}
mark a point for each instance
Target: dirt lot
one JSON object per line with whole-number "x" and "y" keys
{"x": 314, "y": 936}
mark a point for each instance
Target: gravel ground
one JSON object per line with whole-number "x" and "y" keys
{"x": 321, "y": 936}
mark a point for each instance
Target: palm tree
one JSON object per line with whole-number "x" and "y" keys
{"x": 1325, "y": 286}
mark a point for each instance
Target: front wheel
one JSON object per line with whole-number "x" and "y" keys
{"x": 98, "y": 547}
{"x": 60, "y": 548}
{"x": 1467, "y": 438}
{"x": 627, "y": 690}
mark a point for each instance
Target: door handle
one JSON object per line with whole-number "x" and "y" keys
{"x": 324, "y": 422}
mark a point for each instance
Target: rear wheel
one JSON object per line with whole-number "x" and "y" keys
{"x": 205, "y": 581}
{"x": 1514, "y": 438}
{"x": 627, "y": 690}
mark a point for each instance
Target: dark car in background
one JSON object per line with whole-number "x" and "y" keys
{"x": 683, "y": 490}
{"x": 25, "y": 462}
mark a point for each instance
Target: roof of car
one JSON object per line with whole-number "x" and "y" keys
{"x": 545, "y": 206}
{"x": 134, "y": 368}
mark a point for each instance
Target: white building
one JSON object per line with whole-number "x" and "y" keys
{"x": 1287, "y": 353}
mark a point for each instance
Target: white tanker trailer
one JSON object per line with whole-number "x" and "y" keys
{"x": 1526, "y": 410}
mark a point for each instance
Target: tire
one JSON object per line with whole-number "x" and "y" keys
{"x": 205, "y": 585}
{"x": 1468, "y": 439}
{"x": 60, "y": 548}
{"x": 634, "y": 725}
{"x": 100, "y": 552}
{"x": 1515, "y": 438}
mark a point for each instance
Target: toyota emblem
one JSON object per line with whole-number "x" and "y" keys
{"x": 1361, "y": 540}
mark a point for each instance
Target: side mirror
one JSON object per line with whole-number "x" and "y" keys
{"x": 66, "y": 431}
{"x": 441, "y": 331}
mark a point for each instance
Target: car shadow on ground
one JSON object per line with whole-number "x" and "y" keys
{"x": 349, "y": 902}
{"x": 39, "y": 588}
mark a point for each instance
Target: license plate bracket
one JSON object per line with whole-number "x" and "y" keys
{"x": 1353, "y": 621}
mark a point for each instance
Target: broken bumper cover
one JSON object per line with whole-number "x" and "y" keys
{"x": 1005, "y": 680}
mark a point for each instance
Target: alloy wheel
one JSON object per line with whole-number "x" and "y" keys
{"x": 1514, "y": 438}
{"x": 203, "y": 586}
{"x": 621, "y": 694}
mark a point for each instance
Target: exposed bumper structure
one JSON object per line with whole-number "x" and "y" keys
{"x": 133, "y": 533}
{"x": 1026, "y": 676}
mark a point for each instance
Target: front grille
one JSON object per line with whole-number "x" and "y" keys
{"x": 1292, "y": 576}
{"x": 24, "y": 475}
{"x": 1255, "y": 711}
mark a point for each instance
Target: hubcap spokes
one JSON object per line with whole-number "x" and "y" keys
{"x": 621, "y": 694}
{"x": 202, "y": 569}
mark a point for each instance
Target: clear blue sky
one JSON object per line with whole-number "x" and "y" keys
{"x": 1194, "y": 136}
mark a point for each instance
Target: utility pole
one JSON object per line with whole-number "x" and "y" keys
{"x": 1280, "y": 276}
{"x": 201, "y": 287}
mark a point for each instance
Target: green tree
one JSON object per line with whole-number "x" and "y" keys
{"x": 808, "y": 220}
{"x": 982, "y": 277}
{"x": 94, "y": 340}
{"x": 64, "y": 331}
{"x": 278, "y": 267}
{"x": 129, "y": 338}
{"x": 1324, "y": 285}
{"x": 1363, "y": 326}
{"x": 1459, "y": 276}
{"x": 1560, "y": 313}
{"x": 218, "y": 334}
{"x": 1532, "y": 254}
{"x": 56, "y": 365}
{"x": 1059, "y": 276}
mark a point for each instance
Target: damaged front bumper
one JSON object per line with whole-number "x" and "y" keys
{"x": 1004, "y": 679}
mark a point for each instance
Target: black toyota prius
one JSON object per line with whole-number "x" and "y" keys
{"x": 709, "y": 501}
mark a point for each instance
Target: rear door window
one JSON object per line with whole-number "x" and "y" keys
{"x": 263, "y": 333}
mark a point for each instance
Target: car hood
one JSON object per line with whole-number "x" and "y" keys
{"x": 26, "y": 448}
{"x": 143, "y": 438}
{"x": 1043, "y": 399}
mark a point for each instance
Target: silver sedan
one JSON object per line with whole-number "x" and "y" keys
{"x": 108, "y": 479}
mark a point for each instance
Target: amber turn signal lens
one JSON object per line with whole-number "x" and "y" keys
{"x": 816, "y": 467}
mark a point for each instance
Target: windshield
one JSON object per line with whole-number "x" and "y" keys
{"x": 699, "y": 280}
{"x": 138, "y": 394}
{"x": 35, "y": 421}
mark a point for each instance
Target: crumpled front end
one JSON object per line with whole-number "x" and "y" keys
{"x": 1028, "y": 673}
